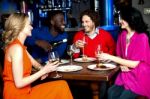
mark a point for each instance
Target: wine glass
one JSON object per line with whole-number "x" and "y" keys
{"x": 70, "y": 53}
{"x": 98, "y": 52}
{"x": 54, "y": 56}
{"x": 83, "y": 49}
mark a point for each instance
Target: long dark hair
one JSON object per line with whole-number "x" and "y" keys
{"x": 134, "y": 19}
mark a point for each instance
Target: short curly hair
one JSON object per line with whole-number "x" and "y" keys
{"x": 93, "y": 15}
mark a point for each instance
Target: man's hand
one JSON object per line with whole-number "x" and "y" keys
{"x": 79, "y": 44}
{"x": 44, "y": 45}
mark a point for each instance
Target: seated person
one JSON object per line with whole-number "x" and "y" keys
{"x": 133, "y": 54}
{"x": 18, "y": 63}
{"x": 92, "y": 37}
{"x": 87, "y": 41}
{"x": 42, "y": 38}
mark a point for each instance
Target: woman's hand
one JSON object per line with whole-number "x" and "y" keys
{"x": 44, "y": 76}
{"x": 124, "y": 68}
{"x": 50, "y": 67}
{"x": 104, "y": 56}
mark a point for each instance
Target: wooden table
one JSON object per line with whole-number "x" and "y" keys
{"x": 95, "y": 77}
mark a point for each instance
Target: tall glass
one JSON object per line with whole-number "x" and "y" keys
{"x": 70, "y": 53}
{"x": 83, "y": 49}
{"x": 54, "y": 56}
{"x": 97, "y": 53}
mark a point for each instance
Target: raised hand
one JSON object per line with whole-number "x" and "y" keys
{"x": 80, "y": 44}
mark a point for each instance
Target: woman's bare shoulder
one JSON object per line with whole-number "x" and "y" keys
{"x": 14, "y": 49}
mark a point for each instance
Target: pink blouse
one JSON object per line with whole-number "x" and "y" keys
{"x": 138, "y": 79}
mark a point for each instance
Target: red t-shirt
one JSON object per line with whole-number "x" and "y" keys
{"x": 104, "y": 39}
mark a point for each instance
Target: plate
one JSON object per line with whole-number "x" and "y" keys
{"x": 108, "y": 67}
{"x": 63, "y": 61}
{"x": 69, "y": 68}
{"x": 89, "y": 59}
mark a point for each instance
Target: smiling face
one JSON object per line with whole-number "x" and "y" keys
{"x": 28, "y": 28}
{"x": 58, "y": 22}
{"x": 88, "y": 24}
{"x": 123, "y": 24}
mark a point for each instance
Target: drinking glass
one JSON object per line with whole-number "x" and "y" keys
{"x": 83, "y": 49}
{"x": 70, "y": 53}
{"x": 97, "y": 53}
{"x": 54, "y": 56}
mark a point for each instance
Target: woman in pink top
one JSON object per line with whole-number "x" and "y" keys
{"x": 133, "y": 54}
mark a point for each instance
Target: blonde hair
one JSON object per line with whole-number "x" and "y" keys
{"x": 13, "y": 26}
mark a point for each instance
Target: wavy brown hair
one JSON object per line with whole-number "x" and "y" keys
{"x": 93, "y": 15}
{"x": 13, "y": 26}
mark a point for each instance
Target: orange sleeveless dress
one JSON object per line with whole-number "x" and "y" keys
{"x": 50, "y": 90}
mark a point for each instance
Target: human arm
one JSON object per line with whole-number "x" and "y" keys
{"x": 35, "y": 63}
{"x": 39, "y": 38}
{"x": 16, "y": 57}
{"x": 44, "y": 45}
{"x": 60, "y": 49}
{"x": 138, "y": 50}
{"x": 124, "y": 68}
{"x": 61, "y": 39}
{"x": 77, "y": 43}
{"x": 75, "y": 47}
{"x": 119, "y": 60}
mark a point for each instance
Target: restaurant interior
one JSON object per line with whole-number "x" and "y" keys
{"x": 109, "y": 20}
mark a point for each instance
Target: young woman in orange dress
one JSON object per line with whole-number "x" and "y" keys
{"x": 18, "y": 64}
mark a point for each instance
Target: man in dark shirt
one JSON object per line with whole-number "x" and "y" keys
{"x": 42, "y": 38}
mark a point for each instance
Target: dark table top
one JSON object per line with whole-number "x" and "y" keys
{"x": 87, "y": 74}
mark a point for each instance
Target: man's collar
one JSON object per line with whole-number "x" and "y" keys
{"x": 93, "y": 35}
{"x": 95, "y": 32}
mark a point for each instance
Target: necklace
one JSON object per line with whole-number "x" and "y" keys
{"x": 128, "y": 37}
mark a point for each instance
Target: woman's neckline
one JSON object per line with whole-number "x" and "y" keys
{"x": 129, "y": 36}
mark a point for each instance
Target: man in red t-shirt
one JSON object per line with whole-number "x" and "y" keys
{"x": 86, "y": 41}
